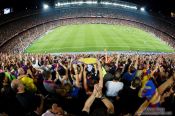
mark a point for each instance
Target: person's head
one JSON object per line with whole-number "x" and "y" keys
{"x": 21, "y": 71}
{"x": 99, "y": 112}
{"x": 78, "y": 69}
{"x": 47, "y": 75}
{"x": 2, "y": 77}
{"x": 33, "y": 70}
{"x": 139, "y": 73}
{"x": 136, "y": 83}
{"x": 140, "y": 67}
{"x": 46, "y": 62}
{"x": 117, "y": 76}
{"x": 57, "y": 110}
{"x": 54, "y": 106}
{"x": 173, "y": 76}
{"x": 36, "y": 104}
{"x": 132, "y": 69}
{"x": 145, "y": 66}
{"x": 107, "y": 68}
{"x": 67, "y": 87}
{"x": 17, "y": 86}
{"x": 108, "y": 77}
{"x": 167, "y": 91}
{"x": 4, "y": 80}
{"x": 173, "y": 88}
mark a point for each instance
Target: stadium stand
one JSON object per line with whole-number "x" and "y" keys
{"x": 25, "y": 38}
{"x": 29, "y": 21}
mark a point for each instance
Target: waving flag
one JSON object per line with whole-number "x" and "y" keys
{"x": 88, "y": 60}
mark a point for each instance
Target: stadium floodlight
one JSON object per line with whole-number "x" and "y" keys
{"x": 7, "y": 10}
{"x": 142, "y": 9}
{"x": 120, "y": 5}
{"x": 106, "y": 3}
{"x": 45, "y": 6}
{"x": 95, "y": 2}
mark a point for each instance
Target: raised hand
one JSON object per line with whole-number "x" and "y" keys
{"x": 75, "y": 66}
{"x": 98, "y": 64}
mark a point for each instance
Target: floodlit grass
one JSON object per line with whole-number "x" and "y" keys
{"x": 97, "y": 37}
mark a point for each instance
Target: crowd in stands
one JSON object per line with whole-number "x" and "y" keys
{"x": 23, "y": 40}
{"x": 9, "y": 30}
{"x": 85, "y": 84}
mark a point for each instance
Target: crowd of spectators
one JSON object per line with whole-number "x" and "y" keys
{"x": 24, "y": 39}
{"x": 9, "y": 30}
{"x": 85, "y": 84}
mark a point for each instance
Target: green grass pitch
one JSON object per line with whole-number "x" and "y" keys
{"x": 97, "y": 37}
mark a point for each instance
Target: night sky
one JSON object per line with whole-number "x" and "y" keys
{"x": 23, "y": 4}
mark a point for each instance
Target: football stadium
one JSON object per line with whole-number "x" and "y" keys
{"x": 97, "y": 37}
{"x": 87, "y": 58}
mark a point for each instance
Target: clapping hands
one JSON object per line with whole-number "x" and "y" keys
{"x": 97, "y": 92}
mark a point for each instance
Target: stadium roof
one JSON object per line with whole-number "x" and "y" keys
{"x": 161, "y": 6}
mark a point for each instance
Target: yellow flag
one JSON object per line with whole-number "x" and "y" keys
{"x": 88, "y": 60}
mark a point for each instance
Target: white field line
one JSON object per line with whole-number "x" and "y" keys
{"x": 81, "y": 47}
{"x": 110, "y": 52}
{"x": 90, "y": 47}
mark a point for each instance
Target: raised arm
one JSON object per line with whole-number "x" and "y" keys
{"x": 97, "y": 93}
{"x": 26, "y": 59}
{"x": 100, "y": 74}
{"x": 155, "y": 69}
{"x": 81, "y": 72}
{"x": 84, "y": 79}
{"x": 57, "y": 74}
{"x": 116, "y": 63}
{"x": 65, "y": 77}
{"x": 108, "y": 104}
{"x": 136, "y": 61}
{"x": 70, "y": 64}
{"x": 90, "y": 100}
{"x": 77, "y": 82}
